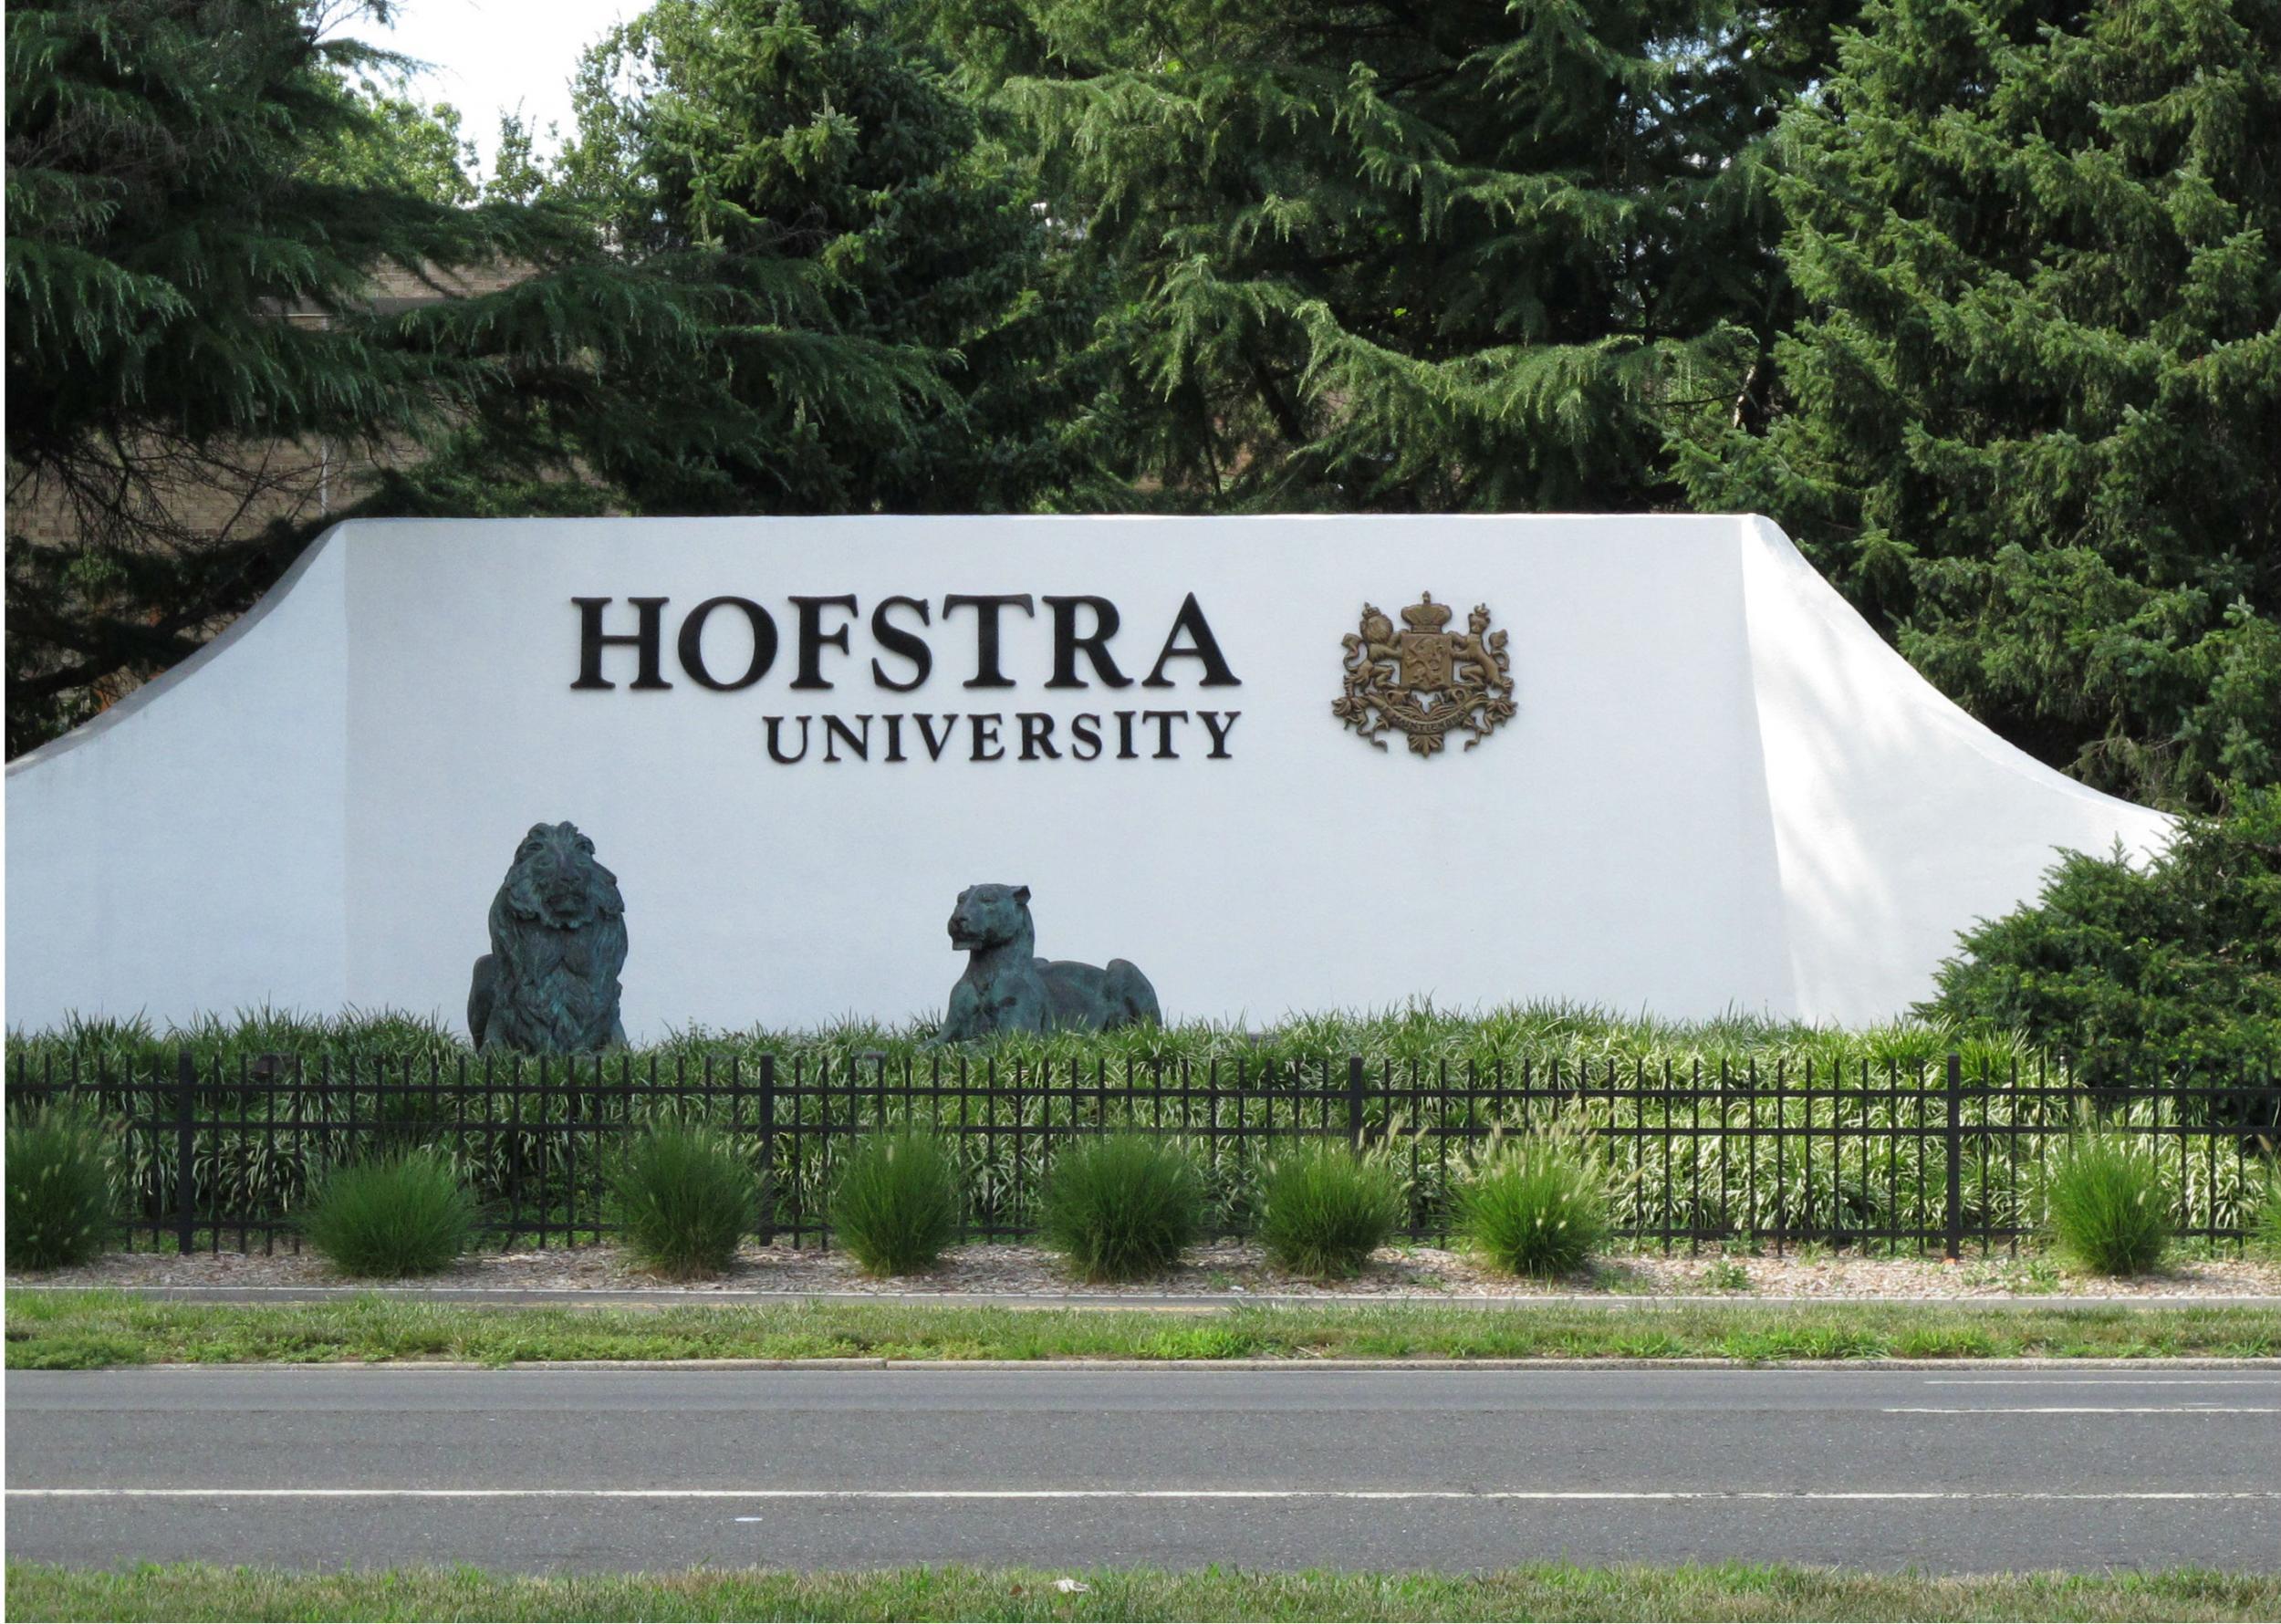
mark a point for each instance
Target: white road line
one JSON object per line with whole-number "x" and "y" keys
{"x": 2101, "y": 1382}
{"x": 1496, "y": 1494}
{"x": 2086, "y": 1409}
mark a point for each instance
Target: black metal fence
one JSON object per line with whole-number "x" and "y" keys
{"x": 1884, "y": 1157}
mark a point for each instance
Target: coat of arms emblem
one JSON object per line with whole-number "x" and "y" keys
{"x": 1425, "y": 681}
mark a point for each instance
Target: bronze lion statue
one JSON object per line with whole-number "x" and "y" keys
{"x": 549, "y": 983}
{"x": 1008, "y": 988}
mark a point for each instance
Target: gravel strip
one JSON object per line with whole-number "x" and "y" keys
{"x": 1233, "y": 1269}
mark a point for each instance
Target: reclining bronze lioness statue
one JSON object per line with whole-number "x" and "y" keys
{"x": 1008, "y": 988}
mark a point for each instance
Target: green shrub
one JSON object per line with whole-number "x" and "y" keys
{"x": 2106, "y": 1205}
{"x": 1538, "y": 1205}
{"x": 895, "y": 1206}
{"x": 405, "y": 1213}
{"x": 1324, "y": 1210}
{"x": 682, "y": 1199}
{"x": 2265, "y": 1218}
{"x": 1120, "y": 1207}
{"x": 2135, "y": 968}
{"x": 59, "y": 1188}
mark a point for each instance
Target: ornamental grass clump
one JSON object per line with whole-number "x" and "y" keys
{"x": 1121, "y": 1207}
{"x": 406, "y": 1213}
{"x": 2105, "y": 1203}
{"x": 59, "y": 1188}
{"x": 1324, "y": 1210}
{"x": 683, "y": 1201}
{"x": 895, "y": 1206}
{"x": 1535, "y": 1205}
{"x": 2265, "y": 1218}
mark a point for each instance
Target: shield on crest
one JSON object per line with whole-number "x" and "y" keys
{"x": 1425, "y": 659}
{"x": 1425, "y": 681}
{"x": 1426, "y": 650}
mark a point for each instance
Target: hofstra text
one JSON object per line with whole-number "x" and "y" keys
{"x": 727, "y": 644}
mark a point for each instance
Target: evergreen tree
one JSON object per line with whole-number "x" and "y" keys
{"x": 189, "y": 266}
{"x": 900, "y": 342}
{"x": 2033, "y": 424}
{"x": 1470, "y": 255}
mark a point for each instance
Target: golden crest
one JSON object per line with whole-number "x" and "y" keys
{"x": 1425, "y": 681}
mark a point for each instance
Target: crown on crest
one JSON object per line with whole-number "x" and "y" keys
{"x": 1425, "y": 615}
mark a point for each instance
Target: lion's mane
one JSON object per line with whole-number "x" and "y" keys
{"x": 558, "y": 944}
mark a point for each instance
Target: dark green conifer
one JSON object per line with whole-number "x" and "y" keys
{"x": 896, "y": 341}
{"x": 193, "y": 226}
{"x": 2032, "y": 425}
{"x": 2163, "y": 971}
{"x": 1466, "y": 255}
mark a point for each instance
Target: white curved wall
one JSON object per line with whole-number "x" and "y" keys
{"x": 183, "y": 853}
{"x": 1898, "y": 820}
{"x": 1722, "y": 790}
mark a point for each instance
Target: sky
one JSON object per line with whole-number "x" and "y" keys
{"x": 491, "y": 56}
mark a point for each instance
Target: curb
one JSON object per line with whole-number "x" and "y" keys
{"x": 1257, "y": 1366}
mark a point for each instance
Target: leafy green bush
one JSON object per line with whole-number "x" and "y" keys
{"x": 406, "y": 1213}
{"x": 2106, "y": 1205}
{"x": 1418, "y": 1033}
{"x": 683, "y": 1200}
{"x": 2139, "y": 971}
{"x": 1876, "y": 1084}
{"x": 895, "y": 1206}
{"x": 1324, "y": 1209}
{"x": 1120, "y": 1207}
{"x": 2264, "y": 1219}
{"x": 59, "y": 1187}
{"x": 1538, "y": 1205}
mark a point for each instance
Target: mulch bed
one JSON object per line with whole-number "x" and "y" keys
{"x": 1233, "y": 1268}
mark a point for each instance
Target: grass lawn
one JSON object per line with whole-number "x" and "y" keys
{"x": 77, "y": 1331}
{"x": 1547, "y": 1591}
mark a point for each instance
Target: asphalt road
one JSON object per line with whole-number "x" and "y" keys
{"x": 1959, "y": 1469}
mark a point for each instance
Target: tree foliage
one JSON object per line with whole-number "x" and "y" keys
{"x": 1979, "y": 299}
{"x": 2031, "y": 421}
{"x": 897, "y": 335}
{"x": 394, "y": 143}
{"x": 1464, "y": 255}
{"x": 2134, "y": 968}
{"x": 517, "y": 172}
{"x": 191, "y": 250}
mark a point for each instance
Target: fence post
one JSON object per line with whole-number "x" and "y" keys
{"x": 1354, "y": 1100}
{"x": 767, "y": 1111}
{"x": 185, "y": 1152}
{"x": 1955, "y": 1158}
